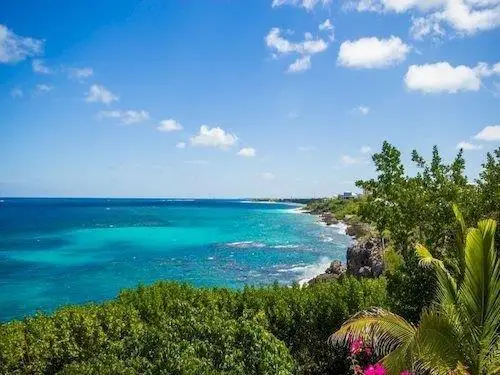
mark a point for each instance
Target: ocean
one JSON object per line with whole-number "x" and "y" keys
{"x": 67, "y": 251}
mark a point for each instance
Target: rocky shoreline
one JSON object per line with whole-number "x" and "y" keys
{"x": 364, "y": 256}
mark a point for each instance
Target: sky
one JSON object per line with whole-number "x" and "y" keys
{"x": 239, "y": 98}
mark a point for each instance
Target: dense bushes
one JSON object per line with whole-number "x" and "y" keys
{"x": 172, "y": 328}
{"x": 411, "y": 209}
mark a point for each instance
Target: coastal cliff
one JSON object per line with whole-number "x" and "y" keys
{"x": 365, "y": 255}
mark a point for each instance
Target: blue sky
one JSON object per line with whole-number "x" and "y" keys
{"x": 221, "y": 98}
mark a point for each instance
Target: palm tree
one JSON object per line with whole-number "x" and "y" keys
{"x": 460, "y": 332}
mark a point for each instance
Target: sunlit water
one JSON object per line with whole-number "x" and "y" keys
{"x": 59, "y": 251}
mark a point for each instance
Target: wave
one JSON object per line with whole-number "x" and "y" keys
{"x": 246, "y": 244}
{"x": 291, "y": 246}
{"x": 307, "y": 272}
{"x": 340, "y": 227}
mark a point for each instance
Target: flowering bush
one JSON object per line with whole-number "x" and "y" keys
{"x": 364, "y": 360}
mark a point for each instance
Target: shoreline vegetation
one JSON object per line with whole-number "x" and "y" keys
{"x": 367, "y": 317}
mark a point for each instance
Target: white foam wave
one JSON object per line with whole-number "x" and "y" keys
{"x": 246, "y": 244}
{"x": 308, "y": 271}
{"x": 340, "y": 227}
{"x": 314, "y": 270}
{"x": 291, "y": 246}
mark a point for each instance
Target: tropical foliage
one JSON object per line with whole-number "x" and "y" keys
{"x": 417, "y": 208}
{"x": 172, "y": 328}
{"x": 459, "y": 333}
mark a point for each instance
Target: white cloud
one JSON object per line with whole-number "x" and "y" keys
{"x": 249, "y": 152}
{"x": 213, "y": 137}
{"x": 293, "y": 115}
{"x": 80, "y": 73}
{"x": 16, "y": 93}
{"x": 364, "y": 110}
{"x": 281, "y": 45}
{"x": 465, "y": 17}
{"x": 489, "y": 133}
{"x": 327, "y": 25}
{"x": 267, "y": 176}
{"x": 442, "y": 77}
{"x": 40, "y": 67}
{"x": 306, "y": 4}
{"x": 169, "y": 125}
{"x": 126, "y": 117}
{"x": 300, "y": 65}
{"x": 371, "y": 53}
{"x": 348, "y": 160}
{"x": 423, "y": 26}
{"x": 99, "y": 93}
{"x": 468, "y": 146}
{"x": 14, "y": 48}
{"x": 181, "y": 145}
{"x": 365, "y": 150}
{"x": 43, "y": 88}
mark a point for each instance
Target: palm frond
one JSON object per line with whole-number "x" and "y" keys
{"x": 446, "y": 291}
{"x": 479, "y": 295}
{"x": 387, "y": 329}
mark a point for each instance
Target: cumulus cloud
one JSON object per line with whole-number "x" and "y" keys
{"x": 489, "y": 133}
{"x": 248, "y": 152}
{"x": 281, "y": 46}
{"x": 309, "y": 46}
{"x": 465, "y": 17}
{"x": 169, "y": 125}
{"x": 213, "y": 137}
{"x": 362, "y": 109}
{"x": 40, "y": 67}
{"x": 372, "y": 53}
{"x": 468, "y": 146}
{"x": 99, "y": 93}
{"x": 80, "y": 73}
{"x": 365, "y": 150}
{"x": 181, "y": 145}
{"x": 126, "y": 117}
{"x": 443, "y": 77}
{"x": 306, "y": 4}
{"x": 15, "y": 48}
{"x": 300, "y": 65}
{"x": 327, "y": 27}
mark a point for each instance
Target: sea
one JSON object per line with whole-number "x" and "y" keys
{"x": 72, "y": 251}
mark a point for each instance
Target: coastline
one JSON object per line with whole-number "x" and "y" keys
{"x": 363, "y": 255}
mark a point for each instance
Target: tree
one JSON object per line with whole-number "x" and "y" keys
{"x": 459, "y": 333}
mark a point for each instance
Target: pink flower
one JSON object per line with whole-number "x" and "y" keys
{"x": 356, "y": 346}
{"x": 376, "y": 369}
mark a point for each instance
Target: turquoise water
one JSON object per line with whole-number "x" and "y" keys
{"x": 59, "y": 251}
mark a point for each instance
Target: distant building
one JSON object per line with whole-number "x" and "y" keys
{"x": 347, "y": 195}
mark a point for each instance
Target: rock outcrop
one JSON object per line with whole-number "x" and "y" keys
{"x": 335, "y": 271}
{"x": 364, "y": 259}
{"x": 329, "y": 218}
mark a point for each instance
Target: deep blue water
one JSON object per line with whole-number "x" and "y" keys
{"x": 59, "y": 251}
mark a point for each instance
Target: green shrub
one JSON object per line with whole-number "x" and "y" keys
{"x": 173, "y": 328}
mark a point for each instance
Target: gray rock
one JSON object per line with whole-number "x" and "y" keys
{"x": 365, "y": 258}
{"x": 334, "y": 272}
